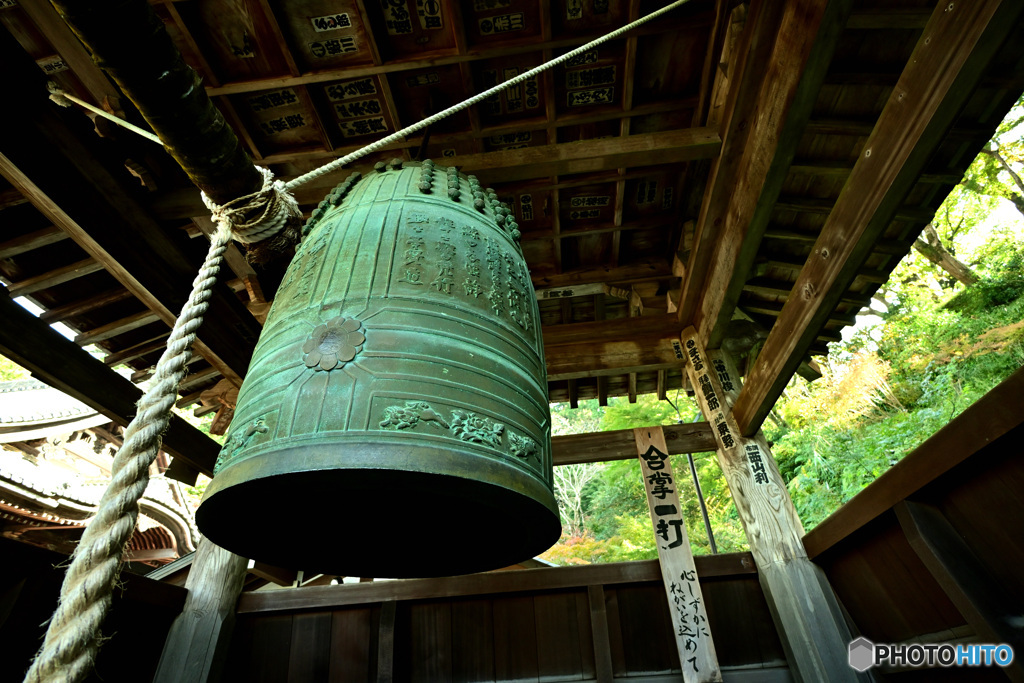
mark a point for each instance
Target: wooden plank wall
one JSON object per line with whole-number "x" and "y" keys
{"x": 612, "y": 628}
{"x": 30, "y": 580}
{"x": 931, "y": 552}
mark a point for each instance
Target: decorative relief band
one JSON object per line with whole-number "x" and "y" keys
{"x": 464, "y": 425}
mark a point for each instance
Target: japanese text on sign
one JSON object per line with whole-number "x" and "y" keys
{"x": 584, "y": 214}
{"x": 691, "y": 617}
{"x": 588, "y": 57}
{"x": 589, "y": 200}
{"x": 723, "y": 374}
{"x": 526, "y": 206}
{"x": 708, "y": 391}
{"x": 360, "y": 87}
{"x": 357, "y": 109}
{"x": 486, "y": 5}
{"x": 502, "y": 23}
{"x": 723, "y": 430}
{"x": 52, "y": 65}
{"x": 423, "y": 79}
{"x": 429, "y": 13}
{"x": 756, "y": 464}
{"x": 272, "y": 100}
{"x": 279, "y": 125}
{"x": 396, "y": 17}
{"x": 646, "y": 191}
{"x": 573, "y": 9}
{"x": 510, "y": 138}
{"x": 333, "y": 47}
{"x": 583, "y": 98}
{"x": 356, "y": 127}
{"x": 513, "y": 94}
{"x": 691, "y": 350}
{"x": 330, "y": 22}
{"x": 588, "y": 78}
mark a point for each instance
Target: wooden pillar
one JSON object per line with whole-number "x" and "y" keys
{"x": 807, "y": 615}
{"x": 685, "y": 602}
{"x": 198, "y": 641}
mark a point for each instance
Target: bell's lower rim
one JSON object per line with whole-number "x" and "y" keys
{"x": 382, "y": 510}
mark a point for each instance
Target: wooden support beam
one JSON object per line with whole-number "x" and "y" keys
{"x": 641, "y": 271}
{"x": 994, "y": 615}
{"x": 808, "y": 34}
{"x": 64, "y": 41}
{"x": 589, "y": 156}
{"x": 112, "y": 329}
{"x": 689, "y": 615}
{"x": 197, "y": 644}
{"x": 889, "y": 247}
{"x": 54, "y": 277}
{"x": 603, "y": 665}
{"x": 277, "y": 575}
{"x": 956, "y": 47}
{"x": 137, "y": 350}
{"x": 639, "y": 353}
{"x": 386, "y": 642}
{"x": 33, "y": 240}
{"x": 590, "y": 289}
{"x": 585, "y": 156}
{"x": 620, "y": 329}
{"x": 56, "y": 315}
{"x": 52, "y": 156}
{"x": 571, "y": 449}
{"x": 328, "y": 597}
{"x": 806, "y": 614}
{"x": 737, "y": 117}
{"x": 34, "y": 345}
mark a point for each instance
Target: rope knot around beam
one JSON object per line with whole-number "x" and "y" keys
{"x": 260, "y": 215}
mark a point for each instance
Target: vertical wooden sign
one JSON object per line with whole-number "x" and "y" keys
{"x": 686, "y": 603}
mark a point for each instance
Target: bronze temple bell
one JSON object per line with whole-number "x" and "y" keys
{"x": 394, "y": 420}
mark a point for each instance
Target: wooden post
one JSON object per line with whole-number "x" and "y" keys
{"x": 198, "y": 641}
{"x": 686, "y": 603}
{"x": 806, "y": 612}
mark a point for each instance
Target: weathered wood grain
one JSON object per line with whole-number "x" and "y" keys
{"x": 196, "y": 647}
{"x": 805, "y": 610}
{"x": 690, "y": 627}
{"x": 957, "y": 45}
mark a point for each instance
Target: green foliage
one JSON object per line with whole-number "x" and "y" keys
{"x": 938, "y": 348}
{"x": 9, "y": 370}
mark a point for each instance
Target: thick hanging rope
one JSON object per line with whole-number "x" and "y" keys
{"x": 73, "y": 636}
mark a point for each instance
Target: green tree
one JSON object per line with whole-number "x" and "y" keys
{"x": 9, "y": 370}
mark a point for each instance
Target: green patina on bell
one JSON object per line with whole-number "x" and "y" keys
{"x": 394, "y": 420}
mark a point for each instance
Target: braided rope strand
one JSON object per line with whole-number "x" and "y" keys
{"x": 465, "y": 104}
{"x": 72, "y": 637}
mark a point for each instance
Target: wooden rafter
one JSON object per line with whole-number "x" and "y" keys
{"x": 34, "y": 345}
{"x": 957, "y": 45}
{"x": 807, "y": 36}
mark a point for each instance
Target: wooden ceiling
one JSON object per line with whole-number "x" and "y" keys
{"x": 762, "y": 162}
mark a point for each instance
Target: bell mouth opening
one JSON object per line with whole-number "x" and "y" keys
{"x": 379, "y": 523}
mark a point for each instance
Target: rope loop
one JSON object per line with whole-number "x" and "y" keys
{"x": 260, "y": 215}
